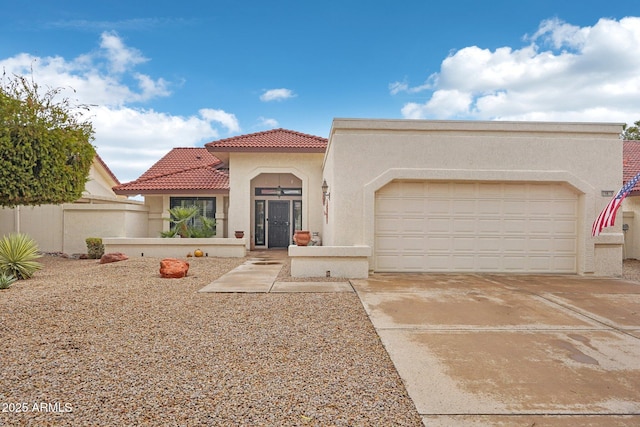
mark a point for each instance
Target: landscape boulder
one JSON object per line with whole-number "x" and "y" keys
{"x": 172, "y": 268}
{"x": 113, "y": 257}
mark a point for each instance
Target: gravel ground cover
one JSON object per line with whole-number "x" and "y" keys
{"x": 116, "y": 345}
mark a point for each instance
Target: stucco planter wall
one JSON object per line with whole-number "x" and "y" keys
{"x": 350, "y": 262}
{"x": 161, "y": 248}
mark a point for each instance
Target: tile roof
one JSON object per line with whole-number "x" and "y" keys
{"x": 275, "y": 140}
{"x": 180, "y": 170}
{"x": 631, "y": 161}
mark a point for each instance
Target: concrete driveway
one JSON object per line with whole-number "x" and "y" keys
{"x": 504, "y": 350}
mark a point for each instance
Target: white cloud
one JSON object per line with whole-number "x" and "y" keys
{"x": 129, "y": 139}
{"x": 564, "y": 73}
{"x": 277, "y": 95}
{"x": 226, "y": 119}
{"x": 120, "y": 57}
{"x": 268, "y": 123}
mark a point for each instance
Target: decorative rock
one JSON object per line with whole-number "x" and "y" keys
{"x": 172, "y": 268}
{"x": 113, "y": 257}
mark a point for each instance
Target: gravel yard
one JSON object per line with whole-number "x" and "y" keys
{"x": 114, "y": 344}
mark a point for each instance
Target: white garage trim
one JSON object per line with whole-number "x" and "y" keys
{"x": 584, "y": 193}
{"x": 424, "y": 226}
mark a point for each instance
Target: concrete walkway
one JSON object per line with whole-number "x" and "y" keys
{"x": 507, "y": 350}
{"x": 259, "y": 274}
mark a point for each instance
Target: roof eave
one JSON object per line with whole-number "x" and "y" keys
{"x": 214, "y": 149}
{"x": 179, "y": 192}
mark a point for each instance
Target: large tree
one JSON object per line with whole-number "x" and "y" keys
{"x": 631, "y": 132}
{"x": 45, "y": 145}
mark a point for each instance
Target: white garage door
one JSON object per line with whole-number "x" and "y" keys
{"x": 460, "y": 226}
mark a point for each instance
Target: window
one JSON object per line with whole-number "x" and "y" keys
{"x": 297, "y": 215}
{"x": 207, "y": 206}
{"x": 259, "y": 231}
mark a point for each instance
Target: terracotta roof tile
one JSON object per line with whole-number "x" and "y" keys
{"x": 272, "y": 140}
{"x": 182, "y": 169}
{"x": 630, "y": 161}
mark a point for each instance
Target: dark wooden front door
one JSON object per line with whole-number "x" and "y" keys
{"x": 278, "y": 221}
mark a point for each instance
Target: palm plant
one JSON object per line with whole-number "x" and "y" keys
{"x": 181, "y": 217}
{"x": 18, "y": 253}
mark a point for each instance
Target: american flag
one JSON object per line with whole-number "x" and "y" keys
{"x": 607, "y": 217}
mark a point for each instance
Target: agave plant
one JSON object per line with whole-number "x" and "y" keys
{"x": 6, "y": 280}
{"x": 18, "y": 253}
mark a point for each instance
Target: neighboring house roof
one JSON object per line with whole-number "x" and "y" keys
{"x": 107, "y": 170}
{"x": 182, "y": 170}
{"x": 631, "y": 163}
{"x": 275, "y": 140}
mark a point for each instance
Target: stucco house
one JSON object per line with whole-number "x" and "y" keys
{"x": 269, "y": 188}
{"x": 410, "y": 195}
{"x": 64, "y": 227}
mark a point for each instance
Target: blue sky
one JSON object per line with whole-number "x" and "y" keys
{"x": 168, "y": 74}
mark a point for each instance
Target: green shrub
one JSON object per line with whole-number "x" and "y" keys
{"x": 95, "y": 248}
{"x": 18, "y": 253}
{"x": 6, "y": 280}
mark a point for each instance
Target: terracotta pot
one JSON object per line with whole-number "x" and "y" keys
{"x": 302, "y": 237}
{"x": 239, "y": 234}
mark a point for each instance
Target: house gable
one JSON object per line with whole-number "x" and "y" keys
{"x": 181, "y": 171}
{"x": 271, "y": 141}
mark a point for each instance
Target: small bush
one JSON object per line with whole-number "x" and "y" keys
{"x": 95, "y": 248}
{"x": 18, "y": 253}
{"x": 6, "y": 280}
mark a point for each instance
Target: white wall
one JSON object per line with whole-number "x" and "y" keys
{"x": 365, "y": 155}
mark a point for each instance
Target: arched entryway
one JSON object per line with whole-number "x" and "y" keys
{"x": 276, "y": 209}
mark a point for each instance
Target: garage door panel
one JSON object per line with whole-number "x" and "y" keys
{"x": 539, "y": 226}
{"x": 489, "y": 226}
{"x": 464, "y": 225}
{"x": 438, "y": 262}
{"x": 388, "y": 224}
{"x": 412, "y": 244}
{"x": 389, "y": 206}
{"x": 515, "y": 226}
{"x": 464, "y": 262}
{"x": 438, "y": 207}
{"x": 438, "y": 225}
{"x": 464, "y": 207}
{"x": 454, "y": 226}
{"x": 540, "y": 208}
{"x": 438, "y": 244}
{"x": 513, "y": 208}
{"x": 566, "y": 246}
{"x": 412, "y": 189}
{"x": 565, "y": 206}
{"x": 489, "y": 244}
{"x": 460, "y": 244}
{"x": 515, "y": 244}
{"x": 413, "y": 225}
{"x": 562, "y": 226}
{"x": 488, "y": 207}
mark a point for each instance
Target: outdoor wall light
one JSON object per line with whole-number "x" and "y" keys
{"x": 325, "y": 191}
